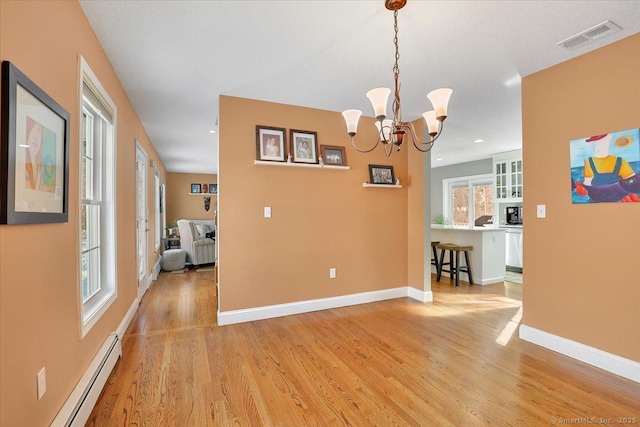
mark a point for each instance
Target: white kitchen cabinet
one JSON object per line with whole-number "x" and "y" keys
{"x": 507, "y": 168}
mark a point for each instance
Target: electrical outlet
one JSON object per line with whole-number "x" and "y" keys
{"x": 41, "y": 379}
{"x": 332, "y": 273}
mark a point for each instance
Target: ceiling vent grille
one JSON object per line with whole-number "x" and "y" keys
{"x": 597, "y": 32}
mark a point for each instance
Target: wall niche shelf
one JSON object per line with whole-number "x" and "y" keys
{"x": 299, "y": 165}
{"x": 367, "y": 185}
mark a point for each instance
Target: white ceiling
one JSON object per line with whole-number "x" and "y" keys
{"x": 174, "y": 58}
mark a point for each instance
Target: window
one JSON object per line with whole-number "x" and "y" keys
{"x": 468, "y": 199}
{"x": 97, "y": 200}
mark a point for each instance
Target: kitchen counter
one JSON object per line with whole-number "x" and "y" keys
{"x": 487, "y": 256}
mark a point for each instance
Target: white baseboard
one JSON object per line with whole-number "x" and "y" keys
{"x": 155, "y": 272}
{"x": 122, "y": 328}
{"x": 422, "y": 296}
{"x": 279, "y": 310}
{"x": 609, "y": 362}
{"x": 490, "y": 281}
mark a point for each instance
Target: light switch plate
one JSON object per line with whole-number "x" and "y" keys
{"x": 267, "y": 212}
{"x": 332, "y": 273}
{"x": 541, "y": 211}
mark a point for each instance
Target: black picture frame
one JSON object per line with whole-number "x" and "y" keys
{"x": 213, "y": 188}
{"x": 381, "y": 174}
{"x": 196, "y": 188}
{"x": 35, "y": 182}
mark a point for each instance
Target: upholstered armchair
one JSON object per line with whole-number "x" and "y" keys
{"x": 199, "y": 248}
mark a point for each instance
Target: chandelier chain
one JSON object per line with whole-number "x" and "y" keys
{"x": 396, "y": 71}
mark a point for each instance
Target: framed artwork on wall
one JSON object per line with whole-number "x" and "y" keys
{"x": 271, "y": 144}
{"x": 605, "y": 168}
{"x": 196, "y": 188}
{"x": 35, "y": 153}
{"x": 304, "y": 146}
{"x": 333, "y": 155}
{"x": 381, "y": 174}
{"x": 213, "y": 188}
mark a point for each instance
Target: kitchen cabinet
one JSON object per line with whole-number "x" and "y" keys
{"x": 507, "y": 168}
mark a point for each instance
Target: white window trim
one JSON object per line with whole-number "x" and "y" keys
{"x": 156, "y": 219}
{"x": 463, "y": 181}
{"x": 88, "y": 319}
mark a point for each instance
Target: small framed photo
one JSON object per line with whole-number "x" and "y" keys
{"x": 34, "y": 164}
{"x": 213, "y": 188}
{"x": 333, "y": 155}
{"x": 381, "y": 174}
{"x": 304, "y": 146}
{"x": 196, "y": 188}
{"x": 271, "y": 144}
{"x": 205, "y": 188}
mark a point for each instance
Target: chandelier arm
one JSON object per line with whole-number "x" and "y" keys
{"x": 388, "y": 153}
{"x": 353, "y": 142}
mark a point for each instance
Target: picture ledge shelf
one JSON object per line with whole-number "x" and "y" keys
{"x": 299, "y": 165}
{"x": 367, "y": 185}
{"x": 203, "y": 194}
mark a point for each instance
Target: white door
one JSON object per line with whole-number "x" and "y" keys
{"x": 141, "y": 218}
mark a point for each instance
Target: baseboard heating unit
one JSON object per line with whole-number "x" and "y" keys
{"x": 84, "y": 396}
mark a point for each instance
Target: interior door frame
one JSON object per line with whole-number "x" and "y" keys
{"x": 142, "y": 220}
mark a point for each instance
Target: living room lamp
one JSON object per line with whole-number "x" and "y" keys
{"x": 391, "y": 132}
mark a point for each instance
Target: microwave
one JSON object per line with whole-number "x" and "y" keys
{"x": 514, "y": 215}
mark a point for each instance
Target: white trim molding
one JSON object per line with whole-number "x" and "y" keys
{"x": 601, "y": 359}
{"x": 422, "y": 296}
{"x": 122, "y": 328}
{"x": 279, "y": 310}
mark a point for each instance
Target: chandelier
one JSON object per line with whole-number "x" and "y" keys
{"x": 392, "y": 132}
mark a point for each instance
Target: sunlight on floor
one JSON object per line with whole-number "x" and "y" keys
{"x": 507, "y": 332}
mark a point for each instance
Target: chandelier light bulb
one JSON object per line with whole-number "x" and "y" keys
{"x": 440, "y": 100}
{"x": 432, "y": 122}
{"x": 351, "y": 118}
{"x": 379, "y": 97}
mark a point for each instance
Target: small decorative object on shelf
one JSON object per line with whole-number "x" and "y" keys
{"x": 205, "y": 188}
{"x": 289, "y": 158}
{"x": 397, "y": 181}
{"x": 320, "y": 160}
{"x": 207, "y": 203}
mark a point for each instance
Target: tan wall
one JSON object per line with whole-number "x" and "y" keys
{"x": 39, "y": 319}
{"x": 182, "y": 205}
{"x": 320, "y": 218}
{"x": 580, "y": 263}
{"x": 416, "y": 212}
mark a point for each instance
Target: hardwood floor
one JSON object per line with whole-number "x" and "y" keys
{"x": 396, "y": 362}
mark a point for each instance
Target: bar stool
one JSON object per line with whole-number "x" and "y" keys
{"x": 434, "y": 260}
{"x": 454, "y": 263}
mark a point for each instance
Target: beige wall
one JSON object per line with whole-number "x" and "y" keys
{"x": 581, "y": 261}
{"x": 182, "y": 205}
{"x": 320, "y": 218}
{"x": 39, "y": 266}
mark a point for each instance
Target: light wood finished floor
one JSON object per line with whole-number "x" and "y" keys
{"x": 397, "y": 362}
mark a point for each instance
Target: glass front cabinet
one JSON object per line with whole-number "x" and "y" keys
{"x": 508, "y": 173}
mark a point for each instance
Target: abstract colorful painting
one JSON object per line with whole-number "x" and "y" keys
{"x": 606, "y": 168}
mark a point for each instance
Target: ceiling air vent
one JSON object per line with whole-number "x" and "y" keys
{"x": 597, "y": 32}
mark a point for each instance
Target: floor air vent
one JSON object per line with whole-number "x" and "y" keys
{"x": 597, "y": 32}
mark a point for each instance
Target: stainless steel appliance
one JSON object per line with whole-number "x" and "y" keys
{"x": 514, "y": 215}
{"x": 514, "y": 249}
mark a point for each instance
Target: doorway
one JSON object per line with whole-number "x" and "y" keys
{"x": 142, "y": 226}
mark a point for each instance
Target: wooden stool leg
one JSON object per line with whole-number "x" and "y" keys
{"x": 466, "y": 259}
{"x": 452, "y": 265}
{"x": 457, "y": 269}
{"x": 439, "y": 266}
